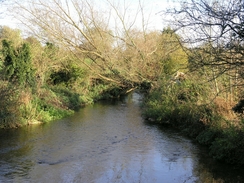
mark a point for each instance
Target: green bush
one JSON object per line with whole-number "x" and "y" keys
{"x": 68, "y": 98}
{"x": 48, "y": 111}
{"x": 229, "y": 146}
{"x": 68, "y": 76}
{"x": 176, "y": 103}
{"x": 208, "y": 136}
{"x": 96, "y": 92}
{"x": 17, "y": 64}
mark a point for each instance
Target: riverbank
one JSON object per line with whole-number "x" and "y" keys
{"x": 25, "y": 106}
{"x": 211, "y": 124}
{"x": 107, "y": 142}
{"x": 180, "y": 106}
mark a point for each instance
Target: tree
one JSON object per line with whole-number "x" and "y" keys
{"x": 17, "y": 64}
{"x": 97, "y": 37}
{"x": 214, "y": 34}
{"x": 12, "y": 35}
{"x": 172, "y": 55}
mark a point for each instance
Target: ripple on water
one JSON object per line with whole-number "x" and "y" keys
{"x": 106, "y": 142}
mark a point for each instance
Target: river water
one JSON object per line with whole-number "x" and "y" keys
{"x": 107, "y": 142}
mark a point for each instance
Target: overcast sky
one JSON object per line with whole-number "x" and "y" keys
{"x": 151, "y": 6}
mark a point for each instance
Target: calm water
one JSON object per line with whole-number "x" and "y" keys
{"x": 107, "y": 142}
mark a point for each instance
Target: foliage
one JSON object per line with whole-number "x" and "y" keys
{"x": 123, "y": 58}
{"x": 185, "y": 107}
{"x": 208, "y": 136}
{"x": 50, "y": 106}
{"x": 10, "y": 115}
{"x": 229, "y": 146}
{"x": 12, "y": 35}
{"x": 170, "y": 52}
{"x": 97, "y": 91}
{"x": 51, "y": 50}
{"x": 216, "y": 49}
{"x": 68, "y": 98}
{"x": 17, "y": 64}
{"x": 68, "y": 76}
{"x": 177, "y": 103}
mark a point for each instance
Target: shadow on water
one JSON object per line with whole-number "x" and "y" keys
{"x": 204, "y": 167}
{"x": 107, "y": 142}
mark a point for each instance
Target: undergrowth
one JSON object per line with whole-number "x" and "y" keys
{"x": 186, "y": 106}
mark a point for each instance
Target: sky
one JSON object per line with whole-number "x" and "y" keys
{"x": 152, "y": 7}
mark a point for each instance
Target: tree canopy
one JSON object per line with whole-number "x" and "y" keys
{"x": 107, "y": 41}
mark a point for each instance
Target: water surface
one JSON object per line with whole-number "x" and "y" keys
{"x": 107, "y": 142}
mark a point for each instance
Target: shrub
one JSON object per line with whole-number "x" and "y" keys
{"x": 229, "y": 146}
{"x": 49, "y": 110}
{"x": 17, "y": 64}
{"x": 208, "y": 136}
{"x": 68, "y": 76}
{"x": 67, "y": 98}
{"x": 10, "y": 115}
{"x": 177, "y": 104}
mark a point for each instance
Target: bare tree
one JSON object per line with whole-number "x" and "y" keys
{"x": 214, "y": 35}
{"x": 97, "y": 37}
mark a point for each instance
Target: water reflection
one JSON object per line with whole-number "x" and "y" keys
{"x": 107, "y": 142}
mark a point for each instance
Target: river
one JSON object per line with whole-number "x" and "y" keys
{"x": 107, "y": 142}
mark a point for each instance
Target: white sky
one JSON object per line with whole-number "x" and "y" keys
{"x": 151, "y": 6}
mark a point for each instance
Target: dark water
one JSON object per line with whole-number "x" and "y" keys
{"x": 107, "y": 142}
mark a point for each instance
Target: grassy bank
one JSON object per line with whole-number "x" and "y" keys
{"x": 23, "y": 106}
{"x": 188, "y": 107}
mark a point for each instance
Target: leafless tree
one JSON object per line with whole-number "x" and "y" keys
{"x": 213, "y": 32}
{"x": 97, "y": 37}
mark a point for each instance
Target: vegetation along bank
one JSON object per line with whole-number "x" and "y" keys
{"x": 192, "y": 70}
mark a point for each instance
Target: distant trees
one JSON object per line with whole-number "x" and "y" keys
{"x": 171, "y": 53}
{"x": 12, "y": 35}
